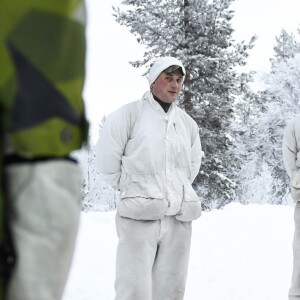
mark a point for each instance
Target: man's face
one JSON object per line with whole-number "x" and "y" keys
{"x": 167, "y": 86}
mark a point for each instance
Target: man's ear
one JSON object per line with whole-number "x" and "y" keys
{"x": 152, "y": 85}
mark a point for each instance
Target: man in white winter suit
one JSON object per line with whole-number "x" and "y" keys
{"x": 150, "y": 150}
{"x": 291, "y": 159}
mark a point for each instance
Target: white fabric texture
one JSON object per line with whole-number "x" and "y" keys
{"x": 290, "y": 151}
{"x": 291, "y": 155}
{"x": 294, "y": 292}
{"x": 160, "y": 65}
{"x": 291, "y": 146}
{"x": 152, "y": 157}
{"x": 152, "y": 259}
{"x": 44, "y": 200}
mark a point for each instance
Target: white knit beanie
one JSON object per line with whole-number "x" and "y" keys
{"x": 161, "y": 64}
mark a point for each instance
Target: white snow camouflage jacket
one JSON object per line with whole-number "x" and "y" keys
{"x": 291, "y": 155}
{"x": 152, "y": 157}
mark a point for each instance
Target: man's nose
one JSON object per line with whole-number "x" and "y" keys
{"x": 176, "y": 84}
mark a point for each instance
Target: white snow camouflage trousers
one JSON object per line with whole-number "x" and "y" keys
{"x": 294, "y": 292}
{"x": 152, "y": 258}
{"x": 44, "y": 199}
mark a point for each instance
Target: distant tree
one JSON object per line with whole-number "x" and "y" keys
{"x": 247, "y": 164}
{"x": 270, "y": 110}
{"x": 286, "y": 46}
{"x": 199, "y": 33}
{"x": 284, "y": 90}
{"x": 262, "y": 142}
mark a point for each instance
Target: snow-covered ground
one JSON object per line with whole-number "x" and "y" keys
{"x": 238, "y": 253}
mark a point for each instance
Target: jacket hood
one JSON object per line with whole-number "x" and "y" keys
{"x": 161, "y": 64}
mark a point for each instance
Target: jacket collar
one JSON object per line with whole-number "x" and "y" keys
{"x": 156, "y": 106}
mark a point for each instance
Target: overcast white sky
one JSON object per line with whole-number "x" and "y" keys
{"x": 111, "y": 81}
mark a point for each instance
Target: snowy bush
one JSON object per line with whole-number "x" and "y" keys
{"x": 96, "y": 194}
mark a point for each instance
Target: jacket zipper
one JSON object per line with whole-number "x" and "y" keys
{"x": 177, "y": 141}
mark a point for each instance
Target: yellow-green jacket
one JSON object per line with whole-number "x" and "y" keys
{"x": 42, "y": 69}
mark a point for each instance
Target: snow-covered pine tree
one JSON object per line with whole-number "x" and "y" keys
{"x": 284, "y": 92}
{"x": 199, "y": 33}
{"x": 248, "y": 109}
{"x": 286, "y": 46}
{"x": 270, "y": 112}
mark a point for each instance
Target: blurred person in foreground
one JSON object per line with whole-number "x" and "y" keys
{"x": 42, "y": 67}
{"x": 291, "y": 159}
{"x": 150, "y": 150}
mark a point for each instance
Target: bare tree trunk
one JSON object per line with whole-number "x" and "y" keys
{"x": 187, "y": 97}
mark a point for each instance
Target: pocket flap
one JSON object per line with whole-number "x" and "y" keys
{"x": 143, "y": 190}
